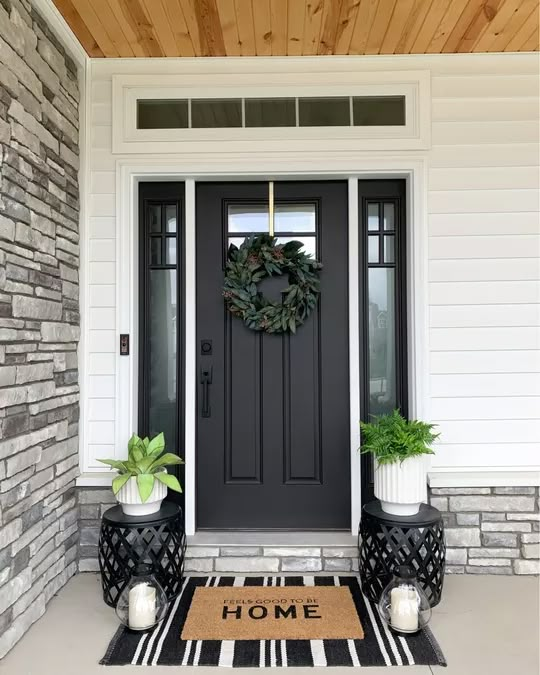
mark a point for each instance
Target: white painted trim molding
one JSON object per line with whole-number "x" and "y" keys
{"x": 249, "y": 166}
{"x": 196, "y": 81}
{"x": 464, "y": 479}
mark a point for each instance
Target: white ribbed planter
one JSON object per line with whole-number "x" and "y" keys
{"x": 130, "y": 500}
{"x": 402, "y": 486}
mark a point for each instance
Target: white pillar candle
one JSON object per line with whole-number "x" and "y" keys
{"x": 404, "y": 609}
{"x": 142, "y": 606}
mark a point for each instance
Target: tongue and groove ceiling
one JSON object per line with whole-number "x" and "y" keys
{"x": 143, "y": 28}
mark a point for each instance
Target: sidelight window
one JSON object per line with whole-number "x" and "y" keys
{"x": 383, "y": 309}
{"x": 160, "y": 309}
{"x": 383, "y": 258}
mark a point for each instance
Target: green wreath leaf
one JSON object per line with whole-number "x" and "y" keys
{"x": 261, "y": 256}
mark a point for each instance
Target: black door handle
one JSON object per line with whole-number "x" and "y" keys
{"x": 206, "y": 381}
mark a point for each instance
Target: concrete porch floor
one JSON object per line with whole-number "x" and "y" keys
{"x": 486, "y": 625}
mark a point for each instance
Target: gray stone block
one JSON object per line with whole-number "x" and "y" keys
{"x": 88, "y": 565}
{"x": 301, "y": 564}
{"x": 228, "y": 551}
{"x": 456, "y": 556}
{"x": 440, "y": 503}
{"x": 292, "y": 551}
{"x": 19, "y": 627}
{"x": 89, "y": 536}
{"x": 23, "y": 460}
{"x": 531, "y": 551}
{"x": 340, "y": 552}
{"x": 502, "y": 503}
{"x": 505, "y": 570}
{"x": 514, "y": 490}
{"x": 13, "y": 589}
{"x": 10, "y": 532}
{"x": 199, "y": 564}
{"x": 468, "y": 518}
{"x": 462, "y": 536}
{"x": 239, "y": 564}
{"x": 202, "y": 552}
{"x": 532, "y": 538}
{"x": 493, "y": 517}
{"x": 532, "y": 517}
{"x": 499, "y": 539}
{"x": 487, "y": 552}
{"x": 460, "y": 491}
{"x": 527, "y": 566}
{"x": 337, "y": 564}
{"x": 455, "y": 569}
{"x": 506, "y": 527}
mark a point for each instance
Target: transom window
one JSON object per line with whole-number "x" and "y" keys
{"x": 328, "y": 111}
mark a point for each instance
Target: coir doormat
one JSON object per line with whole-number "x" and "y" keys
{"x": 181, "y": 638}
{"x": 272, "y": 613}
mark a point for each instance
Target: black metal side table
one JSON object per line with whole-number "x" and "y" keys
{"x": 125, "y": 541}
{"x": 386, "y": 541}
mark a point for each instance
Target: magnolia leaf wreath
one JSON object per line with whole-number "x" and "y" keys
{"x": 259, "y": 257}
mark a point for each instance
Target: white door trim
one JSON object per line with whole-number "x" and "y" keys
{"x": 342, "y": 166}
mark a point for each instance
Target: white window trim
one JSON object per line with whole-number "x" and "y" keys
{"x": 414, "y": 135}
{"x": 344, "y": 166}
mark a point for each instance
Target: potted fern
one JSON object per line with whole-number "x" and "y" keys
{"x": 143, "y": 480}
{"x": 399, "y": 448}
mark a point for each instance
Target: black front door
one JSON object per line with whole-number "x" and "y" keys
{"x": 273, "y": 448}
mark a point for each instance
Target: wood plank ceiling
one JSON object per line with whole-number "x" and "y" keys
{"x": 127, "y": 28}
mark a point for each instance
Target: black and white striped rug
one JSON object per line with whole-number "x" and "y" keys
{"x": 163, "y": 647}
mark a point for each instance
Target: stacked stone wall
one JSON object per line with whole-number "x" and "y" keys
{"x": 490, "y": 530}
{"x": 39, "y": 317}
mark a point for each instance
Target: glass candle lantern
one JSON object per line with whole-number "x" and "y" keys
{"x": 403, "y": 605}
{"x": 143, "y": 602}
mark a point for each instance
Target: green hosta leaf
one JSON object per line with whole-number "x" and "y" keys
{"x": 136, "y": 454}
{"x": 145, "y": 483}
{"x": 115, "y": 464}
{"x": 170, "y": 481}
{"x": 156, "y": 445}
{"x": 132, "y": 467}
{"x": 119, "y": 482}
{"x": 168, "y": 459}
{"x": 145, "y": 464}
{"x": 133, "y": 441}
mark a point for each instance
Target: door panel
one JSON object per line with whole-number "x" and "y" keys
{"x": 273, "y": 453}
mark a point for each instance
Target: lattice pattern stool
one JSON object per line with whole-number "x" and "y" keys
{"x": 126, "y": 541}
{"x": 386, "y": 541}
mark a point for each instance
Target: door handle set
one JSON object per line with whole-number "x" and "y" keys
{"x": 206, "y": 381}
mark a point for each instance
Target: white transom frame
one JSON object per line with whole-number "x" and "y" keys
{"x": 245, "y": 168}
{"x": 415, "y": 86}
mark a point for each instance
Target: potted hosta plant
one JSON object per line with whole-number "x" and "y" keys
{"x": 143, "y": 480}
{"x": 399, "y": 448}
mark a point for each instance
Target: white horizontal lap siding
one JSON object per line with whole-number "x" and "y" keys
{"x": 101, "y": 338}
{"x": 484, "y": 271}
{"x": 483, "y": 249}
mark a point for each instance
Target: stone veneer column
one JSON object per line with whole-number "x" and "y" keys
{"x": 39, "y": 317}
